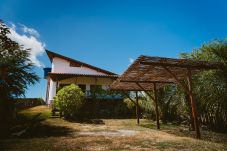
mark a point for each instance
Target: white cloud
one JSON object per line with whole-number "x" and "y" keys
{"x": 29, "y": 39}
{"x": 131, "y": 60}
{"x": 29, "y": 30}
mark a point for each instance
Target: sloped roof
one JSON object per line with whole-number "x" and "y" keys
{"x": 51, "y": 55}
{"x": 147, "y": 70}
{"x": 62, "y": 76}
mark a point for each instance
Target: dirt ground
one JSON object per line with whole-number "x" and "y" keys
{"x": 110, "y": 134}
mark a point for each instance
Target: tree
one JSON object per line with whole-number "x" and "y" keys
{"x": 69, "y": 100}
{"x": 16, "y": 73}
{"x": 210, "y": 87}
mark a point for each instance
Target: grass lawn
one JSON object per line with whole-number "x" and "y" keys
{"x": 48, "y": 133}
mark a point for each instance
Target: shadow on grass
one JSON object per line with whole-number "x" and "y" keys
{"x": 183, "y": 131}
{"x": 32, "y": 126}
{"x": 44, "y": 130}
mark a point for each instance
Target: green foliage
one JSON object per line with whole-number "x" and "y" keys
{"x": 170, "y": 102}
{"x": 129, "y": 103}
{"x": 98, "y": 92}
{"x": 16, "y": 68}
{"x": 69, "y": 100}
{"x": 210, "y": 87}
{"x": 16, "y": 73}
{"x": 126, "y": 108}
{"x": 147, "y": 107}
{"x": 107, "y": 108}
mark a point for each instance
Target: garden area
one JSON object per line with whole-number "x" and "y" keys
{"x": 73, "y": 122}
{"x": 56, "y": 134}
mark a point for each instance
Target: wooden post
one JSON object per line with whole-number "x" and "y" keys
{"x": 193, "y": 105}
{"x": 137, "y": 108}
{"x": 155, "y": 100}
{"x": 156, "y": 106}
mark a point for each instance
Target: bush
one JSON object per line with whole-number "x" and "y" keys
{"x": 69, "y": 100}
{"x": 106, "y": 108}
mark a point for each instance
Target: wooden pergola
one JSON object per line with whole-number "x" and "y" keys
{"x": 151, "y": 73}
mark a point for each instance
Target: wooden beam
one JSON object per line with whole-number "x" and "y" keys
{"x": 130, "y": 98}
{"x": 193, "y": 105}
{"x": 156, "y": 106}
{"x": 137, "y": 81}
{"x": 137, "y": 108}
{"x": 145, "y": 91}
{"x": 142, "y": 94}
{"x": 176, "y": 78}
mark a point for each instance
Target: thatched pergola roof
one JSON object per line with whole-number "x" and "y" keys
{"x": 147, "y": 70}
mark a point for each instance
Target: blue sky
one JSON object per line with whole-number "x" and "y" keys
{"x": 107, "y": 33}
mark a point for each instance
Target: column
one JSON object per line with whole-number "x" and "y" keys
{"x": 88, "y": 88}
{"x": 52, "y": 91}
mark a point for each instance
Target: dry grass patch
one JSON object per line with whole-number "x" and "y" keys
{"x": 57, "y": 134}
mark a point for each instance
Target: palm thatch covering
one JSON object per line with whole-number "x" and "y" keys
{"x": 147, "y": 70}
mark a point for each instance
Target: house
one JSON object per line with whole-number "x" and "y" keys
{"x": 65, "y": 71}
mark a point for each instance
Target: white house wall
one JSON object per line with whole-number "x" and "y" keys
{"x": 52, "y": 91}
{"x": 63, "y": 66}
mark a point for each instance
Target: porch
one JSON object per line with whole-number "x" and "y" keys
{"x": 89, "y": 84}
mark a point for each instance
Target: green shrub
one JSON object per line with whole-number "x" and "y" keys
{"x": 69, "y": 100}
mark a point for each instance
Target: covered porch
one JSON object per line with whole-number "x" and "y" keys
{"x": 87, "y": 83}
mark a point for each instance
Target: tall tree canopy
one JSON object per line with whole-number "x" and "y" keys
{"x": 16, "y": 73}
{"x": 210, "y": 87}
